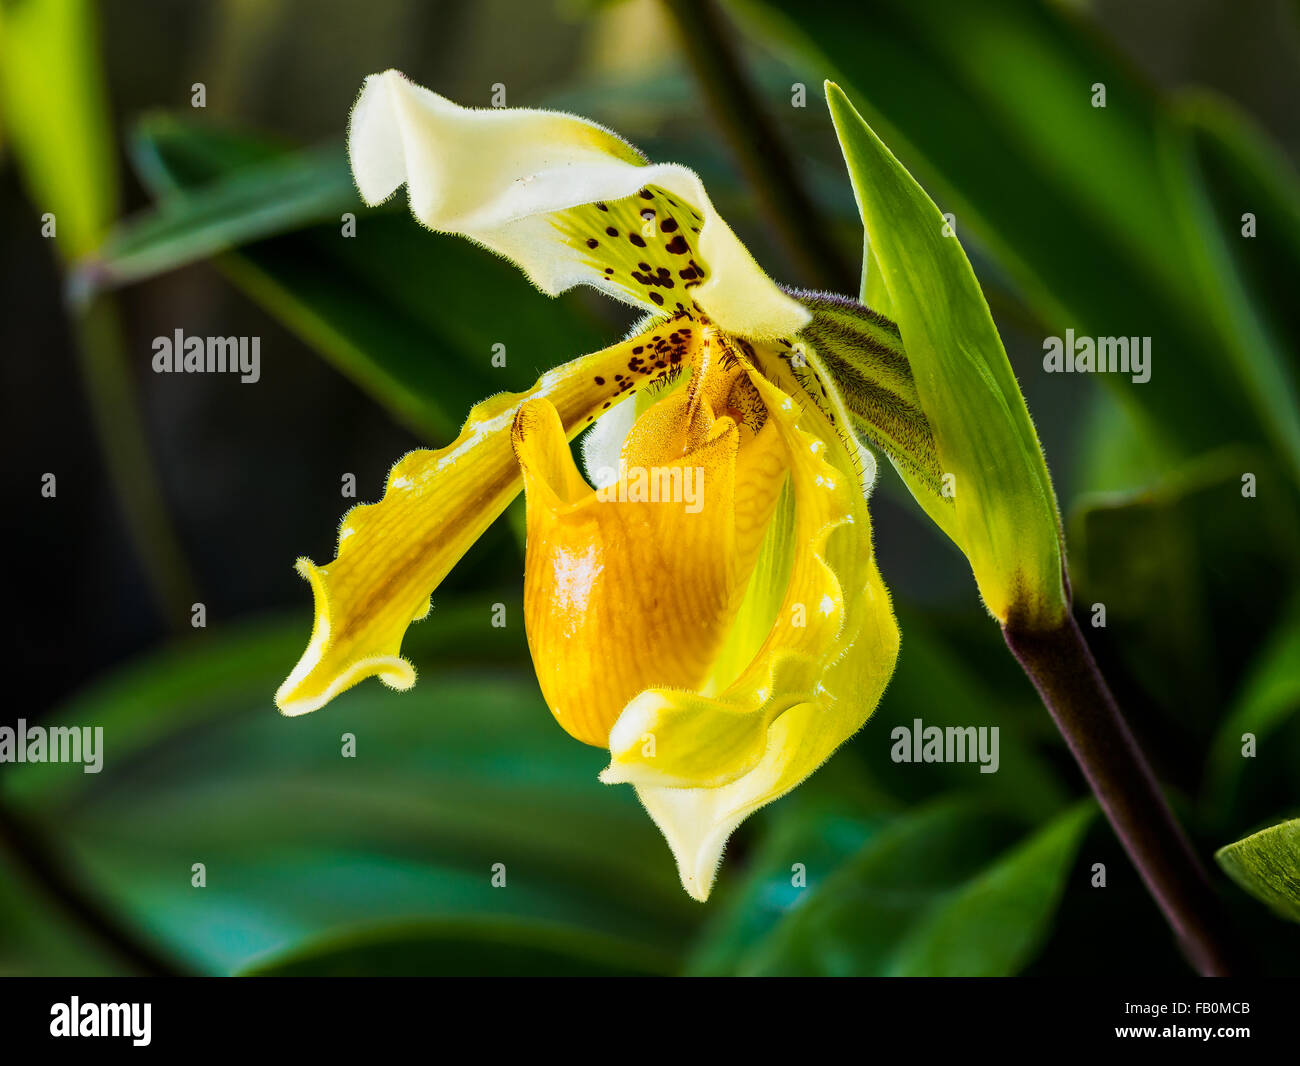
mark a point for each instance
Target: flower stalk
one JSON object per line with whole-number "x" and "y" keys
{"x": 1062, "y": 668}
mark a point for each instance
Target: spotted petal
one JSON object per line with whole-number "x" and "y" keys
{"x": 566, "y": 200}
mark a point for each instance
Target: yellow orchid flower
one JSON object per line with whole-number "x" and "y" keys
{"x": 711, "y": 610}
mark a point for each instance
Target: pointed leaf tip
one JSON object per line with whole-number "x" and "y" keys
{"x": 992, "y": 464}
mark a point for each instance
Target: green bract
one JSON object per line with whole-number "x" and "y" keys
{"x": 1003, "y": 511}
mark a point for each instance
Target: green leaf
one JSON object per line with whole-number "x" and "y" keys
{"x": 995, "y": 924}
{"x": 1267, "y": 865}
{"x": 945, "y": 890}
{"x": 284, "y": 193}
{"x": 36, "y": 937}
{"x": 56, "y": 115}
{"x": 1117, "y": 448}
{"x": 204, "y": 678}
{"x": 1268, "y": 697}
{"x": 1005, "y": 511}
{"x": 466, "y": 771}
{"x": 1219, "y": 171}
{"x": 468, "y": 948}
{"x": 1193, "y": 574}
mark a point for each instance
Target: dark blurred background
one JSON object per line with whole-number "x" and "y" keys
{"x": 241, "y": 479}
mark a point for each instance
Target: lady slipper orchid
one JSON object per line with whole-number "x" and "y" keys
{"x": 711, "y": 610}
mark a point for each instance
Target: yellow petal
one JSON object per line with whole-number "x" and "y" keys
{"x": 393, "y": 554}
{"x": 565, "y": 199}
{"x": 635, "y": 585}
{"x": 814, "y": 681}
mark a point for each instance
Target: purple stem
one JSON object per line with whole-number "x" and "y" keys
{"x": 1063, "y": 670}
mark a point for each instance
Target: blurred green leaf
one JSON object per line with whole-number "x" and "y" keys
{"x": 992, "y": 104}
{"x": 468, "y": 948}
{"x": 1117, "y": 449}
{"x": 951, "y": 888}
{"x": 1242, "y": 171}
{"x": 1267, "y": 865}
{"x": 994, "y": 925}
{"x": 36, "y": 938}
{"x": 202, "y": 679}
{"x": 1004, "y": 517}
{"x": 1220, "y": 172}
{"x": 413, "y": 317}
{"x": 1192, "y": 574}
{"x": 55, "y": 112}
{"x": 1269, "y": 697}
{"x": 262, "y": 199}
{"x": 467, "y": 770}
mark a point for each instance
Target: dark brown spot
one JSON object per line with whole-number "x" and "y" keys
{"x": 657, "y": 299}
{"x": 668, "y": 225}
{"x": 636, "y": 239}
{"x": 611, "y": 231}
{"x": 592, "y": 242}
{"x": 600, "y": 381}
{"x": 677, "y": 246}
